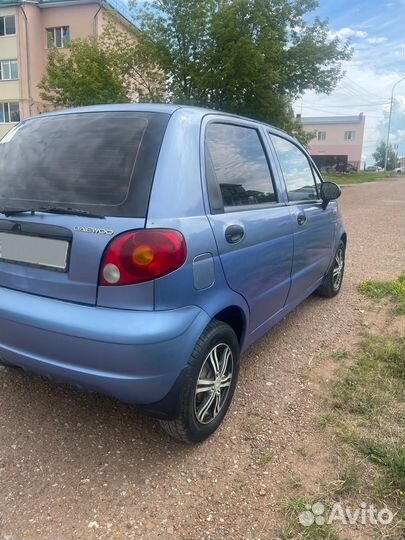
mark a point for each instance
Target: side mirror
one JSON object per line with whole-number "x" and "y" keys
{"x": 329, "y": 192}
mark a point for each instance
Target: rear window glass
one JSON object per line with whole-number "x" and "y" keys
{"x": 103, "y": 161}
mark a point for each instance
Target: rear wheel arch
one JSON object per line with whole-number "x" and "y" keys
{"x": 236, "y": 319}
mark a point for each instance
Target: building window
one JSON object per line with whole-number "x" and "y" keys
{"x": 7, "y": 25}
{"x": 8, "y": 70}
{"x": 9, "y": 112}
{"x": 350, "y": 135}
{"x": 321, "y": 135}
{"x": 58, "y": 37}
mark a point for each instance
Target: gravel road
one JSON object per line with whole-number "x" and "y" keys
{"x": 81, "y": 466}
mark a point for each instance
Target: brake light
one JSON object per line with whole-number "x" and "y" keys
{"x": 139, "y": 256}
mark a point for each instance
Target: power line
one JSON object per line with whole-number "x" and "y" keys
{"x": 365, "y": 91}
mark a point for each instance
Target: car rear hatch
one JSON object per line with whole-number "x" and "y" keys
{"x": 69, "y": 183}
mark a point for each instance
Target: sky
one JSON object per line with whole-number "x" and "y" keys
{"x": 376, "y": 29}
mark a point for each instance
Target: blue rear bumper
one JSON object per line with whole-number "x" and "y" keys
{"x": 135, "y": 356}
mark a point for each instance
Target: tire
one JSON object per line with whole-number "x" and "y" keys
{"x": 200, "y": 413}
{"x": 331, "y": 285}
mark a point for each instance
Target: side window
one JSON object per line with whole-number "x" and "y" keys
{"x": 296, "y": 170}
{"x": 236, "y": 162}
{"x": 318, "y": 179}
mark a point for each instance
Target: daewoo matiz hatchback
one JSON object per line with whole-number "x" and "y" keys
{"x": 144, "y": 247}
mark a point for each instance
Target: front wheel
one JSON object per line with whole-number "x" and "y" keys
{"x": 207, "y": 385}
{"x": 333, "y": 280}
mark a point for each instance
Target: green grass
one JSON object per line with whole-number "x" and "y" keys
{"x": 395, "y": 290}
{"x": 359, "y": 177}
{"x": 265, "y": 458}
{"x": 339, "y": 354}
{"x": 373, "y": 390}
{"x": 294, "y": 481}
{"x": 368, "y": 416}
{"x": 378, "y": 376}
{"x": 326, "y": 419}
{"x": 348, "y": 482}
{"x": 295, "y": 531}
{"x": 390, "y": 455}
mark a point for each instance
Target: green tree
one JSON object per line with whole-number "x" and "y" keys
{"x": 105, "y": 69}
{"x": 379, "y": 156}
{"x": 250, "y": 57}
{"x": 84, "y": 76}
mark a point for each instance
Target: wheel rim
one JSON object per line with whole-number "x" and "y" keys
{"x": 213, "y": 384}
{"x": 338, "y": 269}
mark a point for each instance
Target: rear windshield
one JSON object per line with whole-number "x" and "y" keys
{"x": 102, "y": 162}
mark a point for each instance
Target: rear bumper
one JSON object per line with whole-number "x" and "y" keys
{"x": 135, "y": 356}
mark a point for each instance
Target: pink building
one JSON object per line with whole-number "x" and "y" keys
{"x": 338, "y": 140}
{"x": 28, "y": 30}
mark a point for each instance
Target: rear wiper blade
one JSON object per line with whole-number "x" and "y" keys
{"x": 13, "y": 211}
{"x": 67, "y": 210}
{"x": 50, "y": 210}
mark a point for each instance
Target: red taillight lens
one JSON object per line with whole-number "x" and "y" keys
{"x": 139, "y": 256}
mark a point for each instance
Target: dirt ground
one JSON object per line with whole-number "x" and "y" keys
{"x": 81, "y": 466}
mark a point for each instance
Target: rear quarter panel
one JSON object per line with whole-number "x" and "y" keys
{"x": 177, "y": 202}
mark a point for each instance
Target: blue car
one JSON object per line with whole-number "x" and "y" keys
{"x": 143, "y": 248}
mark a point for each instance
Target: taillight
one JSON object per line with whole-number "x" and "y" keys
{"x": 139, "y": 256}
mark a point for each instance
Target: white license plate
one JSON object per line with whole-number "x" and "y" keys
{"x": 34, "y": 250}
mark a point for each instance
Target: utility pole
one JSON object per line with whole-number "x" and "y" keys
{"x": 389, "y": 123}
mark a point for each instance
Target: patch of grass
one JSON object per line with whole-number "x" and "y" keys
{"x": 326, "y": 532}
{"x": 391, "y": 455}
{"x": 359, "y": 177}
{"x": 339, "y": 354}
{"x": 349, "y": 481}
{"x": 354, "y": 397}
{"x": 294, "y": 506}
{"x": 369, "y": 387}
{"x": 295, "y": 531}
{"x": 302, "y": 451}
{"x": 265, "y": 458}
{"x": 327, "y": 419}
{"x": 383, "y": 356}
{"x": 395, "y": 290}
{"x": 372, "y": 396}
{"x": 383, "y": 487}
{"x": 294, "y": 481}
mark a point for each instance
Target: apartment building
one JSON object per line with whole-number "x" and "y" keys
{"x": 338, "y": 141}
{"x": 28, "y": 29}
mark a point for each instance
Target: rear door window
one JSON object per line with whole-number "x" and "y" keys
{"x": 237, "y": 163}
{"x": 296, "y": 170}
{"x": 101, "y": 161}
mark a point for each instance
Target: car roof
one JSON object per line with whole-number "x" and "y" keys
{"x": 155, "y": 107}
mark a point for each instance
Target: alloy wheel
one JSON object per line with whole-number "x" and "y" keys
{"x": 213, "y": 384}
{"x": 338, "y": 269}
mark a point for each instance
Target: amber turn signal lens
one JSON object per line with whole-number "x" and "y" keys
{"x": 143, "y": 255}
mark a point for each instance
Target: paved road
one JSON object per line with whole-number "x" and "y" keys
{"x": 81, "y": 466}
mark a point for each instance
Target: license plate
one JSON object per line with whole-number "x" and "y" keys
{"x": 34, "y": 250}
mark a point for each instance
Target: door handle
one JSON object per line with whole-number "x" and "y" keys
{"x": 234, "y": 234}
{"x": 301, "y": 218}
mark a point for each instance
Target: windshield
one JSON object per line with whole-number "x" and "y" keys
{"x": 102, "y": 161}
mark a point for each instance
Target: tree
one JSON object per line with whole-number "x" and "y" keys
{"x": 251, "y": 57}
{"x": 105, "y": 69}
{"x": 84, "y": 76}
{"x": 379, "y": 156}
